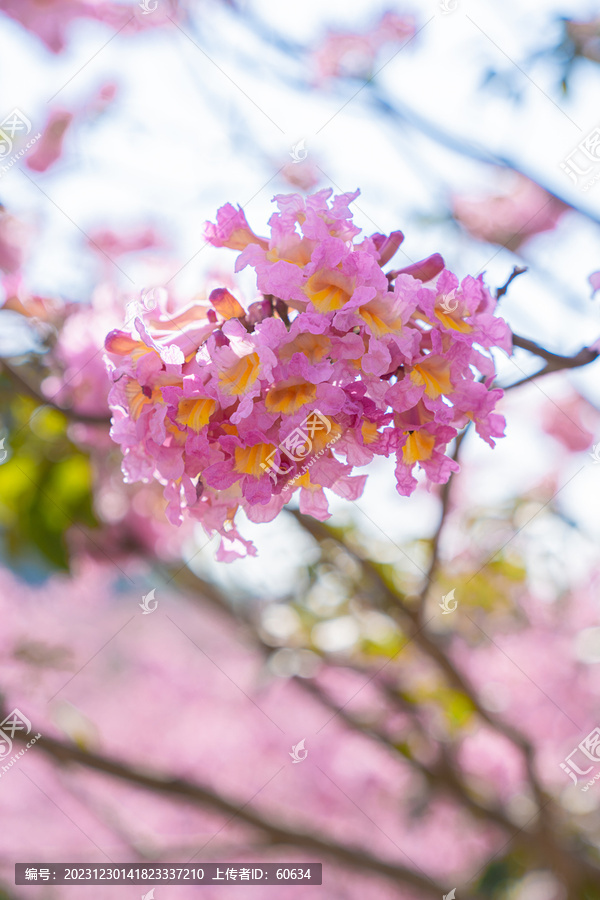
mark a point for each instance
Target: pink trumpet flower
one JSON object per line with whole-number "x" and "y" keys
{"x": 336, "y": 364}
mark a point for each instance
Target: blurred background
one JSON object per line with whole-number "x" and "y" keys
{"x": 440, "y": 745}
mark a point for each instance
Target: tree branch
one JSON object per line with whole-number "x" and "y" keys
{"x": 440, "y": 776}
{"x": 204, "y": 797}
{"x": 518, "y": 270}
{"x": 24, "y": 388}
{"x": 554, "y": 361}
{"x": 434, "y": 561}
{"x": 569, "y": 868}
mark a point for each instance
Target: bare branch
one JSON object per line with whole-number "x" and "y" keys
{"x": 518, "y": 270}
{"x": 554, "y": 361}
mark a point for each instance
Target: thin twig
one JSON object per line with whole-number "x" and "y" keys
{"x": 518, "y": 270}
{"x": 434, "y": 561}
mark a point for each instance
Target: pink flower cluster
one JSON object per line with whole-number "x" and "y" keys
{"x": 232, "y": 408}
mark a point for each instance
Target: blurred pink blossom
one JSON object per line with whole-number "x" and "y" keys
{"x": 102, "y": 99}
{"x": 14, "y": 238}
{"x": 594, "y": 280}
{"x": 353, "y": 54}
{"x": 154, "y": 700}
{"x": 512, "y": 217}
{"x": 585, "y": 37}
{"x": 112, "y": 243}
{"x": 50, "y": 20}
{"x": 49, "y": 147}
{"x": 566, "y": 420}
{"x": 304, "y": 175}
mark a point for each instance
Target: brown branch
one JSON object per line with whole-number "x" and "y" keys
{"x": 25, "y": 389}
{"x": 419, "y": 636}
{"x": 205, "y": 797}
{"x": 437, "y": 776}
{"x": 518, "y": 270}
{"x": 541, "y": 840}
{"x": 434, "y": 561}
{"x": 582, "y": 358}
{"x": 554, "y": 361}
{"x": 545, "y": 836}
{"x": 442, "y": 775}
